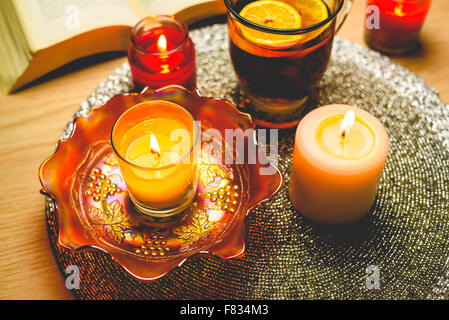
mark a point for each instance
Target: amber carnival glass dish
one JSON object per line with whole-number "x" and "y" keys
{"x": 94, "y": 210}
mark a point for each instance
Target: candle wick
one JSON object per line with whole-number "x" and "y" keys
{"x": 157, "y": 158}
{"x": 156, "y": 154}
{"x": 346, "y": 124}
{"x": 342, "y": 140}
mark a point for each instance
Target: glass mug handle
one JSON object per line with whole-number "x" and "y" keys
{"x": 347, "y": 8}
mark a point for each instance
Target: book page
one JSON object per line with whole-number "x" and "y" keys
{"x": 47, "y": 22}
{"x": 144, "y": 8}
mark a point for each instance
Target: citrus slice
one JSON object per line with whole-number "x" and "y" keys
{"x": 272, "y": 14}
{"x": 312, "y": 11}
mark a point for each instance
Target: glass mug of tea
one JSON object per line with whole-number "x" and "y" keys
{"x": 280, "y": 50}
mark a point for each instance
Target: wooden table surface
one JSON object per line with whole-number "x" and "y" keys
{"x": 32, "y": 120}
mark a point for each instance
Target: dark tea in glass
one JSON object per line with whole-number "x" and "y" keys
{"x": 280, "y": 50}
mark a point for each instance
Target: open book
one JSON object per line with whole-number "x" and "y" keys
{"x": 39, "y": 36}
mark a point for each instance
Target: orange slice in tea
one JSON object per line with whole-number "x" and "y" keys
{"x": 312, "y": 11}
{"x": 273, "y": 14}
{"x": 286, "y": 14}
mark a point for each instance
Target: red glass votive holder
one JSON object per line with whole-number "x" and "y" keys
{"x": 161, "y": 53}
{"x": 398, "y": 24}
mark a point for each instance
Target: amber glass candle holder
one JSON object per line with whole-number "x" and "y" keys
{"x": 393, "y": 26}
{"x": 157, "y": 145}
{"x": 161, "y": 53}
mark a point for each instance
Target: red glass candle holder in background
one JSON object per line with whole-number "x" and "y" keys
{"x": 161, "y": 53}
{"x": 400, "y": 22}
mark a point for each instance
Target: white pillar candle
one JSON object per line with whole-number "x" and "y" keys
{"x": 337, "y": 164}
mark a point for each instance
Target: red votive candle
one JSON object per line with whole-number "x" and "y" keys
{"x": 161, "y": 53}
{"x": 398, "y": 24}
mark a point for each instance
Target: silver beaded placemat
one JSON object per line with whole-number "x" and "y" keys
{"x": 400, "y": 251}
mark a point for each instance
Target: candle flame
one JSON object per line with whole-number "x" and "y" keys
{"x": 398, "y": 10}
{"x": 347, "y": 123}
{"x": 162, "y": 43}
{"x": 154, "y": 146}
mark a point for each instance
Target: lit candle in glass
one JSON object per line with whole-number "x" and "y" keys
{"x": 338, "y": 158}
{"x": 157, "y": 145}
{"x": 161, "y": 53}
{"x": 399, "y": 24}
